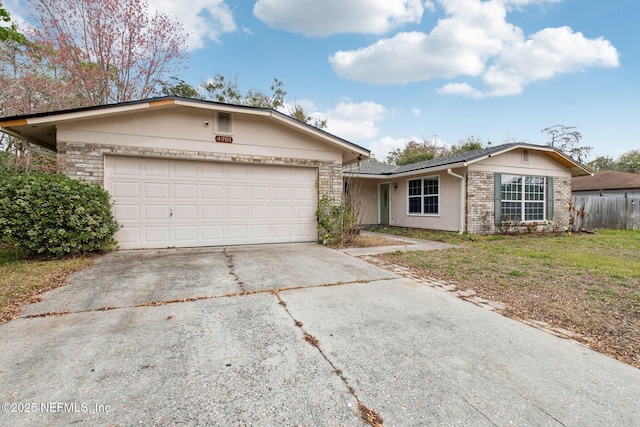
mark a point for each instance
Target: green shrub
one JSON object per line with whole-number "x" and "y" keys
{"x": 337, "y": 224}
{"x": 51, "y": 214}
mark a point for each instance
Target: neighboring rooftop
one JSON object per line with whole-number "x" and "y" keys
{"x": 606, "y": 180}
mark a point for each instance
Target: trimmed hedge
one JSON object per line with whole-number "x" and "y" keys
{"x": 52, "y": 214}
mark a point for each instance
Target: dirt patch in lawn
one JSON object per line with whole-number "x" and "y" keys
{"x": 589, "y": 285}
{"x": 22, "y": 281}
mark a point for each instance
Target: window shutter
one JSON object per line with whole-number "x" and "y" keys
{"x": 497, "y": 197}
{"x": 550, "y": 198}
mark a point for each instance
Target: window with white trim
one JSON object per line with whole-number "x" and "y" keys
{"x": 522, "y": 198}
{"x": 424, "y": 196}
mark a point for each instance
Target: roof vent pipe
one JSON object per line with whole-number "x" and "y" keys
{"x": 462, "y": 199}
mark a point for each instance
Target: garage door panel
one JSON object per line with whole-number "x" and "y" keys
{"x": 237, "y": 192}
{"x": 126, "y": 190}
{"x": 156, "y": 168}
{"x": 260, "y": 193}
{"x": 282, "y": 175}
{"x": 260, "y": 231}
{"x": 212, "y": 233}
{"x": 304, "y": 231}
{"x": 281, "y": 212}
{"x": 127, "y": 167}
{"x": 302, "y": 194}
{"x": 211, "y": 203}
{"x": 156, "y": 234}
{"x": 211, "y": 213}
{"x": 304, "y": 212}
{"x": 236, "y": 172}
{"x": 208, "y": 170}
{"x": 237, "y": 231}
{"x": 211, "y": 191}
{"x": 156, "y": 212}
{"x": 260, "y": 212}
{"x": 128, "y": 235}
{"x": 127, "y": 213}
{"x": 236, "y": 213}
{"x": 186, "y": 233}
{"x": 156, "y": 190}
{"x": 281, "y": 193}
{"x": 185, "y": 169}
{"x": 185, "y": 213}
{"x": 185, "y": 191}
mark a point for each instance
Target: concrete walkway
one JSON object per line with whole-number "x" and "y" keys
{"x": 411, "y": 245}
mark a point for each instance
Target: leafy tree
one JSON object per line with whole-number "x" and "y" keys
{"x": 414, "y": 152}
{"x": 602, "y": 163}
{"x": 220, "y": 89}
{"x": 11, "y": 32}
{"x": 178, "y": 87}
{"x": 471, "y": 144}
{"x": 106, "y": 51}
{"x": 567, "y": 140}
{"x": 629, "y": 161}
{"x": 299, "y": 113}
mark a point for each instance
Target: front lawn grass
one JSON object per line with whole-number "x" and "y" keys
{"x": 588, "y": 284}
{"x": 21, "y": 280}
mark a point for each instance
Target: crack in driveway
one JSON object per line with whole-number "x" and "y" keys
{"x": 368, "y": 415}
{"x": 197, "y": 298}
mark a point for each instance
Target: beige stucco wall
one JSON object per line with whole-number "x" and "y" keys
{"x": 181, "y": 133}
{"x": 184, "y": 129}
{"x": 364, "y": 194}
{"x": 448, "y": 219}
{"x": 512, "y": 163}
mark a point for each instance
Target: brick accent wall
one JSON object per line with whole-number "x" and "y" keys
{"x": 86, "y": 161}
{"x": 480, "y": 203}
{"x": 562, "y": 196}
{"x": 480, "y": 207}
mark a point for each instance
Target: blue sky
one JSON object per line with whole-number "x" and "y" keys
{"x": 387, "y": 71}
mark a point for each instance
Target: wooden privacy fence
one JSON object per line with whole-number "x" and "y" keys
{"x": 614, "y": 213}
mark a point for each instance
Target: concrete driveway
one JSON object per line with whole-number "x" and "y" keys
{"x": 289, "y": 335}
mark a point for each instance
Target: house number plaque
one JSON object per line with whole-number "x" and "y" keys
{"x": 222, "y": 138}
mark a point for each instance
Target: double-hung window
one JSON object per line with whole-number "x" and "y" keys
{"x": 522, "y": 198}
{"x": 424, "y": 196}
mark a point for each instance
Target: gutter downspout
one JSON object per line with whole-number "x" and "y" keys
{"x": 462, "y": 198}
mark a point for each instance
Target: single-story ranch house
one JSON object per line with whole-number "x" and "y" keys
{"x": 476, "y": 191}
{"x": 184, "y": 172}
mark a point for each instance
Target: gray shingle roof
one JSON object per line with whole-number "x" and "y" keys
{"x": 376, "y": 168}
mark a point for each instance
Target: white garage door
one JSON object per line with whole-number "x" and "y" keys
{"x": 179, "y": 203}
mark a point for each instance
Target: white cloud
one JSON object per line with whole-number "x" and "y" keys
{"x": 322, "y": 18}
{"x": 203, "y": 20}
{"x": 355, "y": 121}
{"x": 475, "y": 40}
{"x": 381, "y": 148}
{"x": 545, "y": 54}
{"x": 415, "y": 112}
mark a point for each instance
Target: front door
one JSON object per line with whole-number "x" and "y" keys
{"x": 384, "y": 204}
